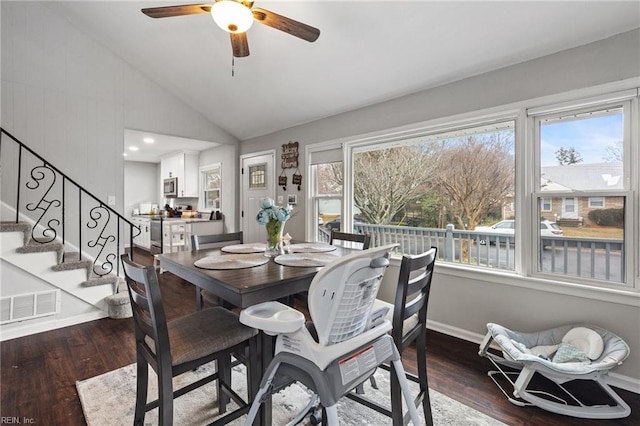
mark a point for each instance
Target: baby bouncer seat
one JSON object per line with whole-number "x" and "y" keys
{"x": 561, "y": 354}
{"x": 346, "y": 342}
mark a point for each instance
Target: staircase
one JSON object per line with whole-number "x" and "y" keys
{"x": 63, "y": 243}
{"x": 52, "y": 256}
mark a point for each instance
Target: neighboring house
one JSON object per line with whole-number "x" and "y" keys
{"x": 579, "y": 177}
{"x": 573, "y": 178}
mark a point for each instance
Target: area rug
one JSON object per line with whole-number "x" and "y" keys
{"x": 109, "y": 399}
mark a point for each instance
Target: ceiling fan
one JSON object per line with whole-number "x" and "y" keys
{"x": 236, "y": 17}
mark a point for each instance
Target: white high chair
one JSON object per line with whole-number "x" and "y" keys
{"x": 351, "y": 340}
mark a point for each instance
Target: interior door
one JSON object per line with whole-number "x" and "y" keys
{"x": 258, "y": 181}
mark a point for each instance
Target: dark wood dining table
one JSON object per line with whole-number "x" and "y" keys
{"x": 245, "y": 287}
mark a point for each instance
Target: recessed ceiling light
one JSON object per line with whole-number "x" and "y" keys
{"x": 124, "y": 154}
{"x": 133, "y": 148}
{"x": 148, "y": 140}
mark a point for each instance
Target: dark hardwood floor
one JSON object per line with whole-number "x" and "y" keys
{"x": 38, "y": 372}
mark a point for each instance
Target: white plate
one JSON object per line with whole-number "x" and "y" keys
{"x": 311, "y": 248}
{"x": 308, "y": 260}
{"x": 244, "y": 248}
{"x": 231, "y": 261}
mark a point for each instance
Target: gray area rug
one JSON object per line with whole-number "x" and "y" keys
{"x": 109, "y": 399}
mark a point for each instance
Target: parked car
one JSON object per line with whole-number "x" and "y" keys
{"x": 508, "y": 227}
{"x": 335, "y": 223}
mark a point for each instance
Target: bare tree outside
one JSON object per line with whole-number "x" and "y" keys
{"x": 567, "y": 156}
{"x": 459, "y": 178}
{"x": 330, "y": 178}
{"x": 476, "y": 174}
{"x": 614, "y": 152}
{"x": 386, "y": 180}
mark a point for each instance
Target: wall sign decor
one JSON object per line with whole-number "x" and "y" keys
{"x": 290, "y": 155}
{"x": 296, "y": 179}
{"x": 282, "y": 180}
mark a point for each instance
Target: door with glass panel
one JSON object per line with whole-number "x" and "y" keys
{"x": 257, "y": 182}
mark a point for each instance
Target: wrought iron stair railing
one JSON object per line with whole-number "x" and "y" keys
{"x": 60, "y": 210}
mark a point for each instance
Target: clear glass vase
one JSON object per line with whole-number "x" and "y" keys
{"x": 274, "y": 238}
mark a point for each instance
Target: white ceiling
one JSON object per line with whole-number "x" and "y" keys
{"x": 151, "y": 147}
{"x": 368, "y": 51}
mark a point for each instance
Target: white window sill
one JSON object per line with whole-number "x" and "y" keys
{"x": 624, "y": 295}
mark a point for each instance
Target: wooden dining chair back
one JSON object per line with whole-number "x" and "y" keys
{"x": 408, "y": 316}
{"x": 211, "y": 241}
{"x": 173, "y": 348}
{"x": 364, "y": 239}
{"x": 410, "y": 323}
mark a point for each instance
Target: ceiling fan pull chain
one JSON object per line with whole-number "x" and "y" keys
{"x": 233, "y": 64}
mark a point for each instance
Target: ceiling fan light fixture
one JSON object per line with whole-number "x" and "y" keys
{"x": 232, "y": 16}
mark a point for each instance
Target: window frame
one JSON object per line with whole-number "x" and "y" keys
{"x": 521, "y": 112}
{"x": 629, "y": 107}
{"x": 593, "y": 206}
{"x": 202, "y": 191}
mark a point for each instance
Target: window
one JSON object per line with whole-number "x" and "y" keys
{"x": 210, "y": 183}
{"x": 583, "y": 152}
{"x": 327, "y": 180}
{"x": 410, "y": 190}
{"x": 459, "y": 189}
{"x": 596, "y": 202}
{"x": 258, "y": 176}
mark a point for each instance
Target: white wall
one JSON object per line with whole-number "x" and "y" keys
{"x": 142, "y": 185}
{"x": 462, "y": 303}
{"x": 69, "y": 98}
{"x": 72, "y": 310}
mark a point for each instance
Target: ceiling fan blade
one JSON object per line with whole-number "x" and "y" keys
{"x": 288, "y": 25}
{"x": 169, "y": 11}
{"x": 239, "y": 45}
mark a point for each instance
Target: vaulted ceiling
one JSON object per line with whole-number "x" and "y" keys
{"x": 367, "y": 52}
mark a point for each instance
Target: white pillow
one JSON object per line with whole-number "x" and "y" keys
{"x": 585, "y": 339}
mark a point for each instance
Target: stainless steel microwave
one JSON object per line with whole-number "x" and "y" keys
{"x": 171, "y": 187}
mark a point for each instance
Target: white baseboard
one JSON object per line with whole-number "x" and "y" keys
{"x": 620, "y": 381}
{"x": 28, "y": 329}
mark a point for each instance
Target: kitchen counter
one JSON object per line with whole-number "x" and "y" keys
{"x": 169, "y": 234}
{"x": 173, "y": 219}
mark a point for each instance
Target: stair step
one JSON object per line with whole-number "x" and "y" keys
{"x": 23, "y": 227}
{"x": 42, "y": 248}
{"x": 107, "y": 279}
{"x": 72, "y": 262}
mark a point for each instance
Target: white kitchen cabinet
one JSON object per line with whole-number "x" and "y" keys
{"x": 144, "y": 239}
{"x": 183, "y": 166}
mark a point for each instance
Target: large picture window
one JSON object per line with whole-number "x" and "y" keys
{"x": 545, "y": 192}
{"x": 445, "y": 189}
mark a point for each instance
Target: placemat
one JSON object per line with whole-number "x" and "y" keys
{"x": 308, "y": 260}
{"x": 244, "y": 248}
{"x": 231, "y": 261}
{"x": 311, "y": 248}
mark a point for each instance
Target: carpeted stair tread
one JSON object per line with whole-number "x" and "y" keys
{"x": 107, "y": 279}
{"x": 71, "y": 263}
{"x": 40, "y": 248}
{"x": 23, "y": 227}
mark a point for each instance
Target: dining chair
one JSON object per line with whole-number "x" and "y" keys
{"x": 211, "y": 241}
{"x": 364, "y": 239}
{"x": 408, "y": 315}
{"x": 173, "y": 348}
